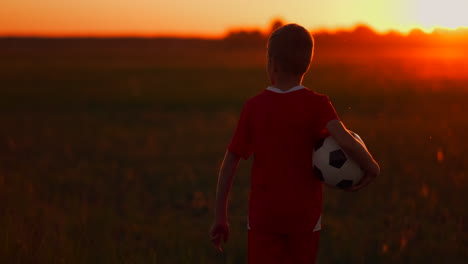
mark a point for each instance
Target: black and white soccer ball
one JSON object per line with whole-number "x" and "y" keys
{"x": 333, "y": 166}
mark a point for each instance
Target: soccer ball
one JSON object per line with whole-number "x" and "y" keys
{"x": 333, "y": 166}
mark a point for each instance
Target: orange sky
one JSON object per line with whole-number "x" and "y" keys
{"x": 214, "y": 17}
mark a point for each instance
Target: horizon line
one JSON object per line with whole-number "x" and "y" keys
{"x": 223, "y": 35}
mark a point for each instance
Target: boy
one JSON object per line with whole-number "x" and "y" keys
{"x": 280, "y": 126}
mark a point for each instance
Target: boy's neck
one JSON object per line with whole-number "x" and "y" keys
{"x": 286, "y": 84}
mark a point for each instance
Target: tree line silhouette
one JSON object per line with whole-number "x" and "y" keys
{"x": 240, "y": 44}
{"x": 360, "y": 35}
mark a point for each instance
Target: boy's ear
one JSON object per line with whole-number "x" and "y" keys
{"x": 274, "y": 65}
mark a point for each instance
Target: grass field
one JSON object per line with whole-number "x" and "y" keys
{"x": 112, "y": 157}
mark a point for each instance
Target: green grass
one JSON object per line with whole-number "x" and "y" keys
{"x": 119, "y": 164}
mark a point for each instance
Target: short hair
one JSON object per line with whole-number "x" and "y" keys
{"x": 292, "y": 47}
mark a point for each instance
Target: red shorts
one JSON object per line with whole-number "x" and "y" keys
{"x": 282, "y": 249}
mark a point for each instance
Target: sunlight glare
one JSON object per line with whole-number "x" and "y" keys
{"x": 438, "y": 13}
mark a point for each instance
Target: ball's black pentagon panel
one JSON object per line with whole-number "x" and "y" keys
{"x": 319, "y": 144}
{"x": 318, "y": 173}
{"x": 337, "y": 158}
{"x": 345, "y": 184}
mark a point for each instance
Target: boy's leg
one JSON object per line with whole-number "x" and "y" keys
{"x": 303, "y": 247}
{"x": 266, "y": 248}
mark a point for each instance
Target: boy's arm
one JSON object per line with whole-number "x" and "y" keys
{"x": 356, "y": 151}
{"x": 220, "y": 229}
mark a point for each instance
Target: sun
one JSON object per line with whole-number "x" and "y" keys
{"x": 441, "y": 13}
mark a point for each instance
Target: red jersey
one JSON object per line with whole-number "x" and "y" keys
{"x": 280, "y": 130}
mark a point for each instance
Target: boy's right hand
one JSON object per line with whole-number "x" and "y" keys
{"x": 219, "y": 231}
{"x": 366, "y": 179}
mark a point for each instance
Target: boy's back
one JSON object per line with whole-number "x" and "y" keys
{"x": 281, "y": 130}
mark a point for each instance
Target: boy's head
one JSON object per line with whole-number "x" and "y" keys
{"x": 290, "y": 49}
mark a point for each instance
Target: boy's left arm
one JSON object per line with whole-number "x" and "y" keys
{"x": 220, "y": 229}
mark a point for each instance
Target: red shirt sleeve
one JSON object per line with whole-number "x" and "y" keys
{"x": 327, "y": 113}
{"x": 241, "y": 142}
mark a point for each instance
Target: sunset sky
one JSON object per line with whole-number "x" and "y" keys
{"x": 212, "y": 18}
